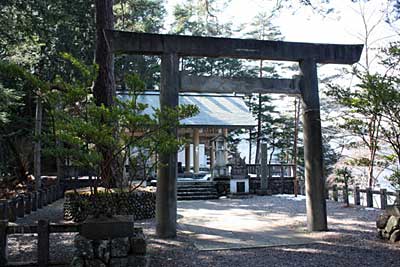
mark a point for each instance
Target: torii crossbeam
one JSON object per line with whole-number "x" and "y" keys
{"x": 171, "y": 47}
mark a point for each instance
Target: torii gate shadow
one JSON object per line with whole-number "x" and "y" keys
{"x": 250, "y": 223}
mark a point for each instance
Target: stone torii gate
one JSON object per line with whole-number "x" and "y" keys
{"x": 172, "y": 47}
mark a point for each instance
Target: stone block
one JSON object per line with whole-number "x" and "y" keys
{"x": 104, "y": 228}
{"x": 137, "y": 261}
{"x": 95, "y": 263}
{"x": 385, "y": 235}
{"x": 120, "y": 247}
{"x": 392, "y": 224}
{"x": 83, "y": 247}
{"x": 104, "y": 250}
{"x": 379, "y": 234}
{"x": 393, "y": 210}
{"x": 138, "y": 244}
{"x": 119, "y": 262}
{"x": 77, "y": 262}
{"x": 395, "y": 236}
{"x": 263, "y": 192}
{"x": 382, "y": 220}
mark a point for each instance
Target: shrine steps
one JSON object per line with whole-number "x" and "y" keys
{"x": 196, "y": 190}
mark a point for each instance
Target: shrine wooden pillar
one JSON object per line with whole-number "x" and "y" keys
{"x": 187, "y": 158}
{"x": 196, "y": 152}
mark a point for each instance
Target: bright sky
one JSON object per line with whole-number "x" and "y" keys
{"x": 302, "y": 24}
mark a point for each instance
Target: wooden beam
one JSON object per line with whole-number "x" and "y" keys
{"x": 196, "y": 46}
{"x": 204, "y": 84}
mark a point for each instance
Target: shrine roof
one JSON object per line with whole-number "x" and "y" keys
{"x": 216, "y": 110}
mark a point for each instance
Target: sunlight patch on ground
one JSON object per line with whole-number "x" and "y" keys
{"x": 292, "y": 197}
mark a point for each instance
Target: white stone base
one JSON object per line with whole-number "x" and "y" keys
{"x": 233, "y": 185}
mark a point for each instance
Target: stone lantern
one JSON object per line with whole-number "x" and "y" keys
{"x": 219, "y": 165}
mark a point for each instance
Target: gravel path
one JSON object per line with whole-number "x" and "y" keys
{"x": 351, "y": 240}
{"x": 23, "y": 248}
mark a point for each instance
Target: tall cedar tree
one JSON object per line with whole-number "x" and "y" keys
{"x": 104, "y": 86}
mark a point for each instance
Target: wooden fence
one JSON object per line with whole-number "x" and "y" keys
{"x": 274, "y": 170}
{"x": 43, "y": 230}
{"x": 24, "y": 204}
{"x": 356, "y": 192}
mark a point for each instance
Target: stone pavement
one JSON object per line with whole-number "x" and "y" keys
{"x": 242, "y": 223}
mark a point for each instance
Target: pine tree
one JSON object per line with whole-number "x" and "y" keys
{"x": 260, "y": 104}
{"x": 200, "y": 18}
{"x": 138, "y": 16}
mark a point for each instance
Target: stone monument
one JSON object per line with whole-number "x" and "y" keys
{"x": 264, "y": 183}
{"x": 388, "y": 223}
{"x": 239, "y": 183}
{"x": 219, "y": 166}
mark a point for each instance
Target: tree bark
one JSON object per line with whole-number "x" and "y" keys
{"x": 37, "y": 147}
{"x": 296, "y": 133}
{"x": 104, "y": 86}
{"x": 250, "y": 146}
{"x": 259, "y": 120}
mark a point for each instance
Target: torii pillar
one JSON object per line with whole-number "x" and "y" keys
{"x": 166, "y": 210}
{"x": 313, "y": 158}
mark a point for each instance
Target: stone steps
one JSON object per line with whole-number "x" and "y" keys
{"x": 203, "y": 197}
{"x": 195, "y": 193}
{"x": 196, "y": 190}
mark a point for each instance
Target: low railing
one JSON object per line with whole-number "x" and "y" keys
{"x": 356, "y": 192}
{"x": 275, "y": 170}
{"x": 28, "y": 202}
{"x": 43, "y": 230}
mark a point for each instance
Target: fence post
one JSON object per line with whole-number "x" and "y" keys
{"x": 346, "y": 195}
{"x": 335, "y": 192}
{"x": 43, "y": 243}
{"x": 370, "y": 202}
{"x": 59, "y": 194}
{"x": 282, "y": 179}
{"x": 40, "y": 198}
{"x": 12, "y": 210}
{"x": 4, "y": 210}
{"x": 3, "y": 242}
{"x": 397, "y": 197}
{"x": 383, "y": 198}
{"x": 54, "y": 193}
{"x": 34, "y": 200}
{"x": 28, "y": 203}
{"x": 49, "y": 195}
{"x": 357, "y": 198}
{"x": 45, "y": 196}
{"x": 20, "y": 206}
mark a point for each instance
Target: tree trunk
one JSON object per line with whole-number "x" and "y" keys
{"x": 104, "y": 86}
{"x": 259, "y": 120}
{"x": 296, "y": 133}
{"x": 250, "y": 146}
{"x": 373, "y": 146}
{"x": 37, "y": 147}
